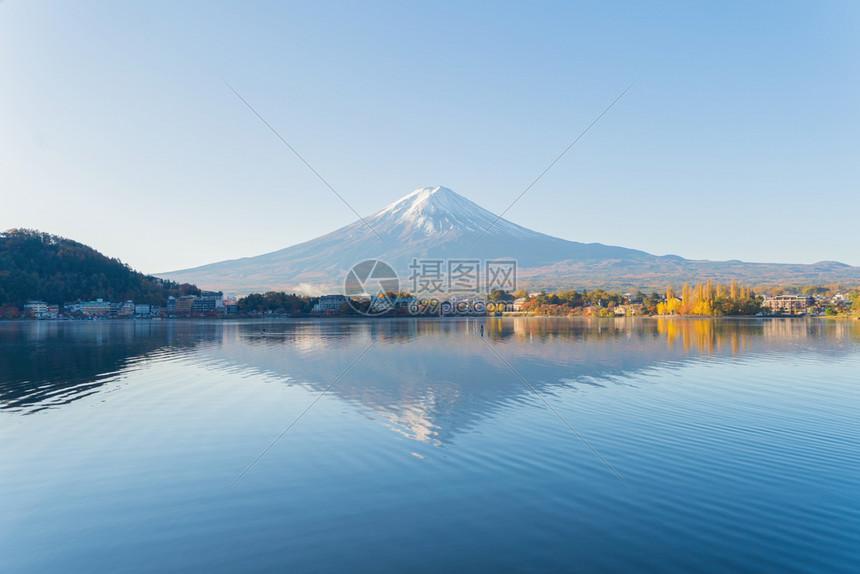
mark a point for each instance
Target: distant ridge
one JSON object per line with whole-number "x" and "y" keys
{"x": 436, "y": 222}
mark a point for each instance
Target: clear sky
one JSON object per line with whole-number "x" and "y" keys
{"x": 740, "y": 139}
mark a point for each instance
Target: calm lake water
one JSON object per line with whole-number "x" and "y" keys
{"x": 694, "y": 445}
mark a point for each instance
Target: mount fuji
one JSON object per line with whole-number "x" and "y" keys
{"x": 437, "y": 223}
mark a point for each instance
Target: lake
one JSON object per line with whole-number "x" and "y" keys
{"x": 609, "y": 445}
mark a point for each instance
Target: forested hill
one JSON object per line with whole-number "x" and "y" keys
{"x": 35, "y": 265}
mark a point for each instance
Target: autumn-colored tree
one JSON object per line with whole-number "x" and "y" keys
{"x": 708, "y": 299}
{"x": 687, "y": 302}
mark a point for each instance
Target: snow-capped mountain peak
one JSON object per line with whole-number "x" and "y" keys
{"x": 435, "y": 210}
{"x": 430, "y": 223}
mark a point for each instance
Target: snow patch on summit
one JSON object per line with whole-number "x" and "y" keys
{"x": 435, "y": 210}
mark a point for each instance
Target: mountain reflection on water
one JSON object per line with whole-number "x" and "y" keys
{"x": 428, "y": 379}
{"x": 126, "y": 445}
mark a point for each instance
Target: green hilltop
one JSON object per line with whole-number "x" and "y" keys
{"x": 36, "y": 265}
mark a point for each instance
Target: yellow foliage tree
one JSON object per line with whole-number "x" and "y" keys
{"x": 701, "y": 299}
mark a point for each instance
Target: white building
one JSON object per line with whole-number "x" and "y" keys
{"x": 126, "y": 309}
{"x": 789, "y": 303}
{"x": 329, "y": 303}
{"x": 95, "y": 308}
{"x": 36, "y": 309}
{"x": 216, "y": 298}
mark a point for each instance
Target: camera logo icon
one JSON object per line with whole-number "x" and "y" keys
{"x": 371, "y": 287}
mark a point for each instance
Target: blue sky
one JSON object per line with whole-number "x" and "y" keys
{"x": 738, "y": 141}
